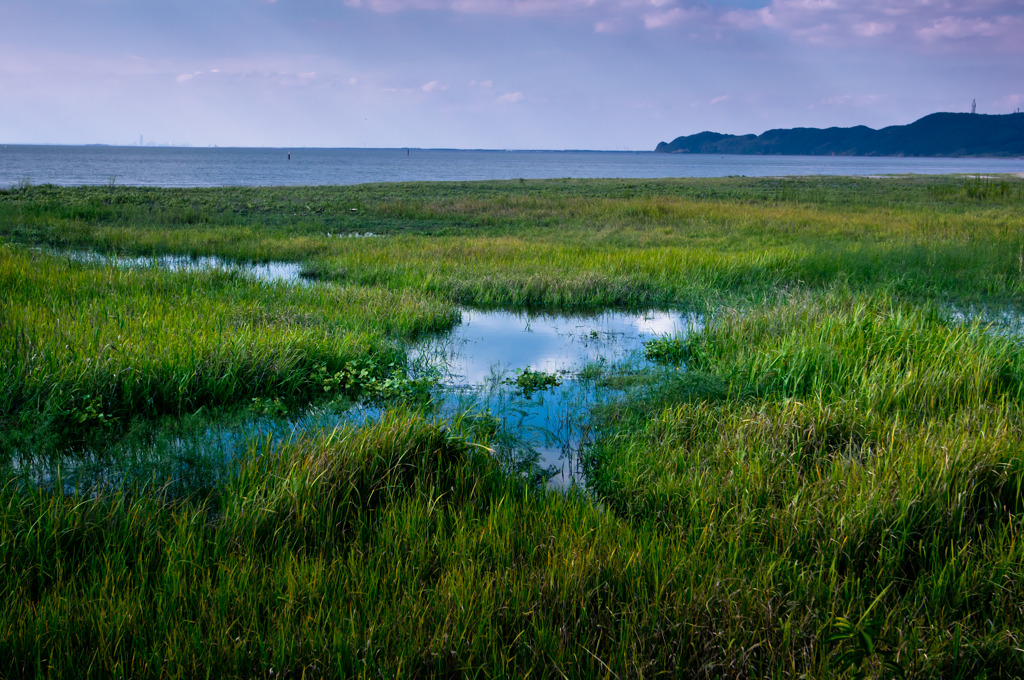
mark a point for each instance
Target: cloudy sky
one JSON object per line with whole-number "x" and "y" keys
{"x": 517, "y": 74}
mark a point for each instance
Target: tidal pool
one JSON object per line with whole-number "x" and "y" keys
{"x": 490, "y": 343}
{"x": 479, "y": 361}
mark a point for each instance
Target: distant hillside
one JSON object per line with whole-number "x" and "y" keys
{"x": 939, "y": 134}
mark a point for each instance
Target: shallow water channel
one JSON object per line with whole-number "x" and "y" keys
{"x": 482, "y": 358}
{"x": 287, "y": 272}
{"x": 476, "y": 365}
{"x": 542, "y": 433}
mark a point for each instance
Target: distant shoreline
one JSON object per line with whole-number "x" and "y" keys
{"x": 939, "y": 135}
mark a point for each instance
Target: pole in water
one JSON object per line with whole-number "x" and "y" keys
{"x": 289, "y": 155}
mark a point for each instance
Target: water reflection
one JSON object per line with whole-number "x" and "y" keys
{"x": 489, "y": 343}
{"x": 1004, "y": 321}
{"x": 478, "y": 362}
{"x": 271, "y": 272}
{"x": 542, "y": 431}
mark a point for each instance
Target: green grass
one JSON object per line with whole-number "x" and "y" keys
{"x": 825, "y": 481}
{"x": 844, "y": 450}
{"x": 87, "y": 349}
{"x": 571, "y": 243}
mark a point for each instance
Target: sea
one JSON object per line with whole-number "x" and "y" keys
{"x": 22, "y": 165}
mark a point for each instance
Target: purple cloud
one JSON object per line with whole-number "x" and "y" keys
{"x": 998, "y": 24}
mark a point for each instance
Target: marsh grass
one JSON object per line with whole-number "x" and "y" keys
{"x": 398, "y": 549}
{"x": 872, "y": 352}
{"x": 313, "y": 561}
{"x": 824, "y": 481}
{"x": 843, "y": 449}
{"x": 571, "y": 243}
{"x": 86, "y": 349}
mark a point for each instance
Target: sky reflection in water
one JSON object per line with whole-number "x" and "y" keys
{"x": 492, "y": 343}
{"x": 270, "y": 272}
{"x": 475, "y": 362}
{"x": 478, "y": 358}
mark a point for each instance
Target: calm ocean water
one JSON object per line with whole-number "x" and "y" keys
{"x": 196, "y": 167}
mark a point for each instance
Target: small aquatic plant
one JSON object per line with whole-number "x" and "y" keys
{"x": 530, "y": 381}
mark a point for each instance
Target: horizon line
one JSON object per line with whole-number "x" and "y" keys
{"x": 323, "y": 148}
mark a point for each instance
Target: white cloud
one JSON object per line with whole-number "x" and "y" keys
{"x": 768, "y": 17}
{"x": 519, "y": 6}
{"x": 844, "y": 22}
{"x": 514, "y": 7}
{"x": 510, "y": 98}
{"x": 744, "y": 19}
{"x": 839, "y": 23}
{"x": 957, "y": 27}
{"x": 870, "y": 29}
{"x": 667, "y": 18}
{"x": 434, "y": 86}
{"x": 806, "y": 5}
{"x": 719, "y": 100}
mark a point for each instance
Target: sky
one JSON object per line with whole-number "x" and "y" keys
{"x": 495, "y": 74}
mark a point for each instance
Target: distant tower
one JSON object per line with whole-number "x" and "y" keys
{"x": 974, "y": 106}
{"x": 140, "y": 140}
